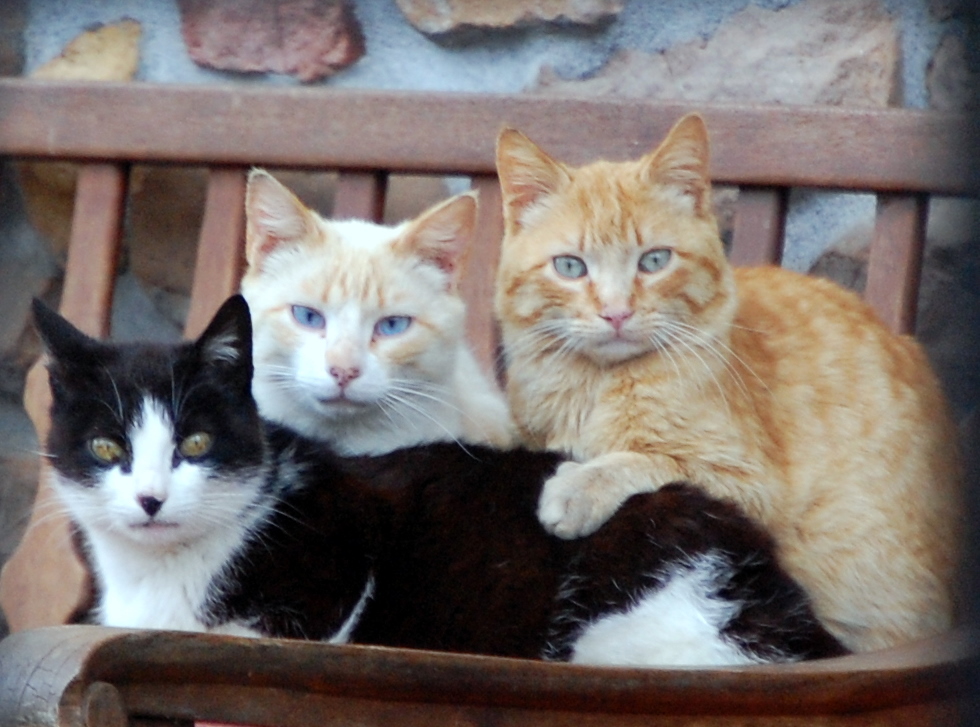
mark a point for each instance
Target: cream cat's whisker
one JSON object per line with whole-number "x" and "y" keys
{"x": 407, "y": 403}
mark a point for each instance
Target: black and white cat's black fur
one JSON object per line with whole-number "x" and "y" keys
{"x": 199, "y": 516}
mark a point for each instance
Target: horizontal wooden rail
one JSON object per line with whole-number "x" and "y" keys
{"x": 368, "y": 130}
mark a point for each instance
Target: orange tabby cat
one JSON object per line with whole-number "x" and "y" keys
{"x": 632, "y": 344}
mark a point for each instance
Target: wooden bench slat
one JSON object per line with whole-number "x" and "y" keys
{"x": 479, "y": 271}
{"x": 360, "y": 195}
{"x": 93, "y": 251}
{"x": 369, "y": 130}
{"x": 895, "y": 259}
{"x": 221, "y": 248}
{"x": 760, "y": 221}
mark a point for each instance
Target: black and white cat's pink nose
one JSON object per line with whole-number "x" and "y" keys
{"x": 151, "y": 505}
{"x": 343, "y": 375}
{"x": 616, "y": 317}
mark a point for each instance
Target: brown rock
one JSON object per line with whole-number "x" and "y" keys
{"x": 439, "y": 17}
{"x": 840, "y": 52}
{"x": 311, "y": 39}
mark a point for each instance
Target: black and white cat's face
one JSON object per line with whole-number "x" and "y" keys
{"x": 154, "y": 444}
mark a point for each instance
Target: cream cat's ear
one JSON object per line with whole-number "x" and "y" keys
{"x": 441, "y": 235}
{"x": 274, "y": 217}
{"x": 681, "y": 161}
{"x": 527, "y": 175}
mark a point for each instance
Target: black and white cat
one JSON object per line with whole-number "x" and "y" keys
{"x": 198, "y": 516}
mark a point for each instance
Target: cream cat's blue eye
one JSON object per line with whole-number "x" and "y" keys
{"x": 569, "y": 266}
{"x": 392, "y": 325}
{"x": 653, "y": 260}
{"x": 106, "y": 450}
{"x": 308, "y": 317}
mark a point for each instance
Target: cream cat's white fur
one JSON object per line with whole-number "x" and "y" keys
{"x": 343, "y": 383}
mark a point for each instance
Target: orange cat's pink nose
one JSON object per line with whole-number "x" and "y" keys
{"x": 344, "y": 375}
{"x": 616, "y": 318}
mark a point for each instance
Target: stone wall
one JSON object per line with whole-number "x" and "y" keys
{"x": 845, "y": 52}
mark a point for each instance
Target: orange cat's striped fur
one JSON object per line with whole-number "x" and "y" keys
{"x": 633, "y": 345}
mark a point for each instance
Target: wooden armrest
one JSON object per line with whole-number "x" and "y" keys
{"x": 74, "y": 675}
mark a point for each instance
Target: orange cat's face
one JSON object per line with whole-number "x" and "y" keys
{"x": 612, "y": 260}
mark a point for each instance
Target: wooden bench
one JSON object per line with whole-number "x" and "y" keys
{"x": 83, "y": 675}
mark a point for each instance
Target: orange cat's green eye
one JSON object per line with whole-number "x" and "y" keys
{"x": 569, "y": 266}
{"x": 106, "y": 450}
{"x": 195, "y": 445}
{"x": 653, "y": 260}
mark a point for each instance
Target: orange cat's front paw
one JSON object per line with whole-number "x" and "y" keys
{"x": 577, "y": 500}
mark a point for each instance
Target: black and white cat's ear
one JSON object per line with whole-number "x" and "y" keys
{"x": 227, "y": 341}
{"x": 274, "y": 217}
{"x": 441, "y": 235}
{"x": 67, "y": 347}
{"x": 527, "y": 176}
{"x": 681, "y": 162}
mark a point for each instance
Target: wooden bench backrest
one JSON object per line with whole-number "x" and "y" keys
{"x": 901, "y": 155}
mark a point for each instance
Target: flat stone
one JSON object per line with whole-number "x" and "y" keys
{"x": 107, "y": 53}
{"x": 440, "y": 17}
{"x": 839, "y": 52}
{"x": 310, "y": 39}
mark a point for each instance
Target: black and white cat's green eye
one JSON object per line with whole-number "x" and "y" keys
{"x": 195, "y": 445}
{"x": 569, "y": 266}
{"x": 653, "y": 260}
{"x": 106, "y": 450}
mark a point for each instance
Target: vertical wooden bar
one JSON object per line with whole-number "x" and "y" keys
{"x": 360, "y": 195}
{"x": 220, "y": 249}
{"x": 895, "y": 259}
{"x": 479, "y": 271}
{"x": 44, "y": 582}
{"x": 760, "y": 224}
{"x": 93, "y": 252}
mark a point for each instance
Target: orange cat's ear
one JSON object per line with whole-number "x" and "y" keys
{"x": 527, "y": 176}
{"x": 681, "y": 161}
{"x": 441, "y": 235}
{"x": 274, "y": 216}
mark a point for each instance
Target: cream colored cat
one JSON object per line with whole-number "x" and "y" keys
{"x": 632, "y": 344}
{"x": 359, "y": 329}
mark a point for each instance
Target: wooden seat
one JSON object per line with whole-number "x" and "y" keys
{"x": 89, "y": 675}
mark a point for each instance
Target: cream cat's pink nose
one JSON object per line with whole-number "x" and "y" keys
{"x": 616, "y": 318}
{"x": 344, "y": 375}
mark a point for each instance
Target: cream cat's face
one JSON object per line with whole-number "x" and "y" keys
{"x": 612, "y": 260}
{"x": 352, "y": 319}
